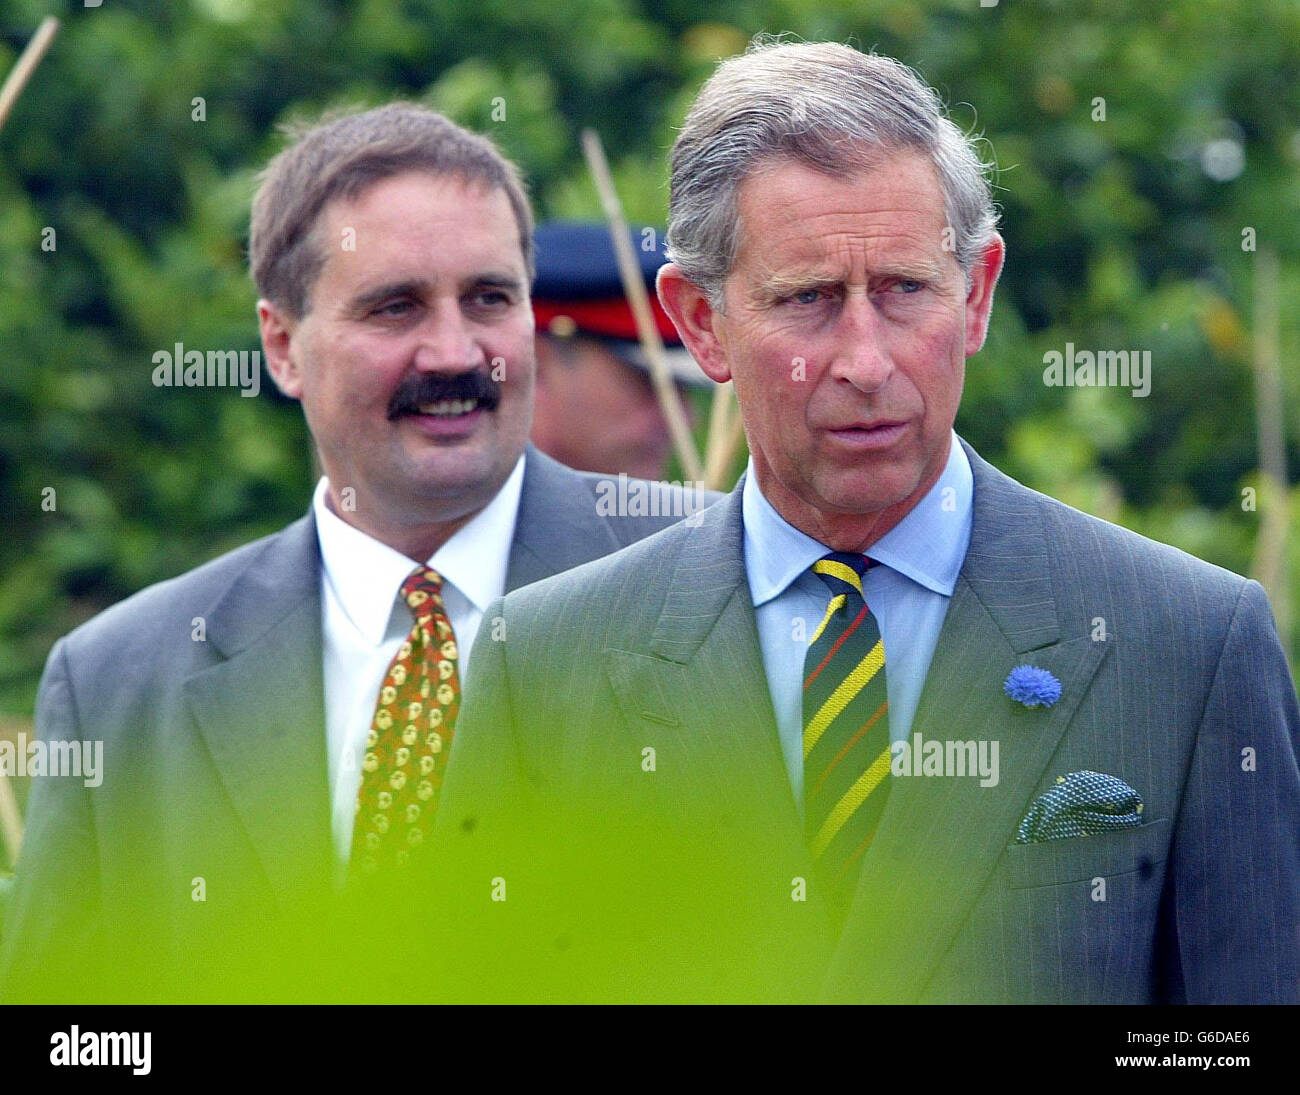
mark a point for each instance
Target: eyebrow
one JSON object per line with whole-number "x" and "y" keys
{"x": 415, "y": 287}
{"x": 498, "y": 281}
{"x": 371, "y": 297}
{"x": 779, "y": 285}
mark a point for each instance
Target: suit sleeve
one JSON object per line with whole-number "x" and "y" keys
{"x": 1237, "y": 844}
{"x": 53, "y": 943}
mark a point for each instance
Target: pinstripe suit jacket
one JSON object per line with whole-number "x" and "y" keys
{"x": 617, "y": 777}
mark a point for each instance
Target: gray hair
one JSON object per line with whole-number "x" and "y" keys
{"x": 824, "y": 105}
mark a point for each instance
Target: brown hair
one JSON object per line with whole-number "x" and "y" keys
{"x": 341, "y": 156}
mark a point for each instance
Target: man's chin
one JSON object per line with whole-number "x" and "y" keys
{"x": 473, "y": 470}
{"x": 863, "y": 495}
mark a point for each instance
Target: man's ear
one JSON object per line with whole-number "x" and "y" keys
{"x": 696, "y": 320}
{"x": 277, "y": 329}
{"x": 979, "y": 298}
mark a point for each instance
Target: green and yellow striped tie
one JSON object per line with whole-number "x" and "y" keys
{"x": 845, "y": 728}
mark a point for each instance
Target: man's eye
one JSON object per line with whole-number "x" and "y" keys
{"x": 394, "y": 308}
{"x": 492, "y": 298}
{"x": 908, "y": 286}
{"x": 807, "y": 296}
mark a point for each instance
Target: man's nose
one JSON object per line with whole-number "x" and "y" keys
{"x": 861, "y": 355}
{"x": 446, "y": 342}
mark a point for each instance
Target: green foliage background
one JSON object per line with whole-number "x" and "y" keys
{"x": 1117, "y": 235}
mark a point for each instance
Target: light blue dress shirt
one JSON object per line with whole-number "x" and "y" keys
{"x": 908, "y": 593}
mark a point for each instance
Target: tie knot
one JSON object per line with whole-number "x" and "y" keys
{"x": 842, "y": 571}
{"x": 421, "y": 586}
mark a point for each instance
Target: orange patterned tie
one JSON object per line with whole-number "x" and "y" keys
{"x": 410, "y": 737}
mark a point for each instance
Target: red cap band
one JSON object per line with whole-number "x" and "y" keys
{"x": 610, "y": 318}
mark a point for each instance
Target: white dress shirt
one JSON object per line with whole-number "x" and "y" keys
{"x": 363, "y": 622}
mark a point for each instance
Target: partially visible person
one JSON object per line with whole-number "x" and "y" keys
{"x": 596, "y": 407}
{"x": 276, "y": 723}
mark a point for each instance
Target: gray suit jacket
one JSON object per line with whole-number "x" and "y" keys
{"x": 676, "y": 874}
{"x": 214, "y": 815}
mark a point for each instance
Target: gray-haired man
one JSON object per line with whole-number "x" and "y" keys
{"x": 280, "y": 719}
{"x": 888, "y": 726}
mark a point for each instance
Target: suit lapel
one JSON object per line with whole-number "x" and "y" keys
{"x": 702, "y": 671}
{"x": 940, "y": 838}
{"x": 261, "y": 708}
{"x": 558, "y": 527}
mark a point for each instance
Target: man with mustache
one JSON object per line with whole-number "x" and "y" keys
{"x": 888, "y": 725}
{"x": 277, "y": 723}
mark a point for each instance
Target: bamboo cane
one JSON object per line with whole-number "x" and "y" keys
{"x": 719, "y": 416}
{"x": 725, "y": 432}
{"x": 26, "y": 65}
{"x": 634, "y": 289}
{"x": 11, "y": 822}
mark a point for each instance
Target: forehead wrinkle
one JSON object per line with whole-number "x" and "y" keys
{"x": 872, "y": 198}
{"x": 900, "y": 234}
{"x": 439, "y": 224}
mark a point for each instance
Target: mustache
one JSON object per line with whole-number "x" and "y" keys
{"x": 428, "y": 388}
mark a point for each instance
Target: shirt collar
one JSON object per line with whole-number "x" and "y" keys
{"x": 366, "y": 575}
{"x": 476, "y": 558}
{"x": 928, "y": 546}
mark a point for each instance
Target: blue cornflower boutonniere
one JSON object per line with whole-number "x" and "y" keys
{"x": 1032, "y": 686}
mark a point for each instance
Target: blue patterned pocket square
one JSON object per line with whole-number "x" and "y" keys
{"x": 1081, "y": 804}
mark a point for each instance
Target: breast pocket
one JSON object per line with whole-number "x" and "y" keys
{"x": 1076, "y": 859}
